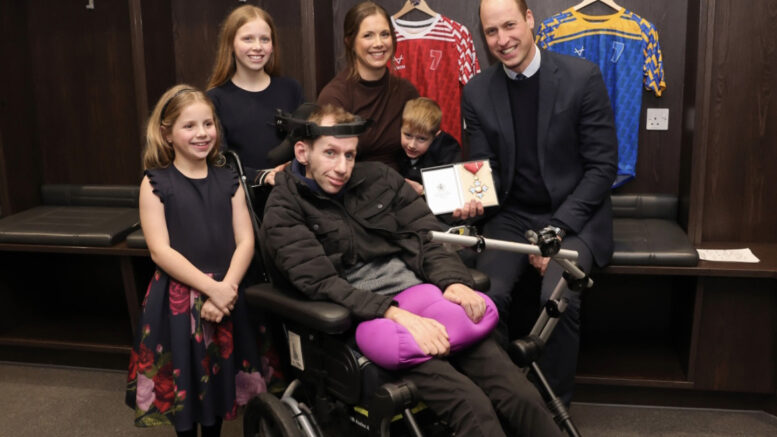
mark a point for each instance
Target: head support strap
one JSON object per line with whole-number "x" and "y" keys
{"x": 299, "y": 128}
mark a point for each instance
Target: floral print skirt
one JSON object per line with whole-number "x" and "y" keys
{"x": 185, "y": 370}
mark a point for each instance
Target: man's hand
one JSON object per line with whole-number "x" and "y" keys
{"x": 419, "y": 189}
{"x": 474, "y": 304}
{"x": 539, "y": 262}
{"x": 429, "y": 334}
{"x": 473, "y": 208}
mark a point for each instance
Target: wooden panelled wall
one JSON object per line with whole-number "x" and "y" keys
{"x": 80, "y": 82}
{"x": 734, "y": 183}
{"x": 19, "y": 156}
{"x": 68, "y": 98}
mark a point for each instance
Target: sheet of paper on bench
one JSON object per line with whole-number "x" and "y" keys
{"x": 448, "y": 187}
{"x": 728, "y": 255}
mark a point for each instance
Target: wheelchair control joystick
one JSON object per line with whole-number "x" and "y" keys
{"x": 548, "y": 239}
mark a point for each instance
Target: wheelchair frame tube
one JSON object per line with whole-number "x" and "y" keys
{"x": 564, "y": 257}
{"x": 299, "y": 416}
{"x": 489, "y": 243}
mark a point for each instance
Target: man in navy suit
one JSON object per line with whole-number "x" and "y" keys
{"x": 545, "y": 122}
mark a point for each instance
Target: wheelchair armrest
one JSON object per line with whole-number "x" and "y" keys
{"x": 482, "y": 281}
{"x": 327, "y": 317}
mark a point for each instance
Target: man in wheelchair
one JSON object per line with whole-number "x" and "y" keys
{"x": 355, "y": 234}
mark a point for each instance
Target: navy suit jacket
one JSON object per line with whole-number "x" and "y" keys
{"x": 576, "y": 142}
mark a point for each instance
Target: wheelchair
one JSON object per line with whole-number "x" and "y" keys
{"x": 335, "y": 390}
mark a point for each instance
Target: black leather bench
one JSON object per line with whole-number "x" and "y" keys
{"x": 75, "y": 215}
{"x": 88, "y": 220}
{"x": 136, "y": 239}
{"x": 646, "y": 233}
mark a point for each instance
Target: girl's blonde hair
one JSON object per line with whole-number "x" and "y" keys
{"x": 158, "y": 152}
{"x": 224, "y": 68}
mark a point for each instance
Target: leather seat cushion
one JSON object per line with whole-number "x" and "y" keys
{"x": 137, "y": 240}
{"x": 69, "y": 225}
{"x": 654, "y": 242}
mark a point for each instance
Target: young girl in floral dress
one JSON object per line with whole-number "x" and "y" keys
{"x": 194, "y": 359}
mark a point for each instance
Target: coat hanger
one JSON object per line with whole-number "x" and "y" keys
{"x": 585, "y": 3}
{"x": 419, "y": 5}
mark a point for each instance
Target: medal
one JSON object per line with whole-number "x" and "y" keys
{"x": 478, "y": 189}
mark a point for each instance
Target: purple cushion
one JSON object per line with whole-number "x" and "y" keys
{"x": 392, "y": 347}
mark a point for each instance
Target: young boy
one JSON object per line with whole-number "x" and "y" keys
{"x": 423, "y": 143}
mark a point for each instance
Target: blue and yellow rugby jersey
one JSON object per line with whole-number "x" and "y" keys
{"x": 625, "y": 46}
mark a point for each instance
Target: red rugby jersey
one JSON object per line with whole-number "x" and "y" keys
{"x": 438, "y": 57}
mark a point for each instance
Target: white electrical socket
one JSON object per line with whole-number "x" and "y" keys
{"x": 657, "y": 119}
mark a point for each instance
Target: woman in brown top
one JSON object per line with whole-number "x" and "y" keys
{"x": 366, "y": 87}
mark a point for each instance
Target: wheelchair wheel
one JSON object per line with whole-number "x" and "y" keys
{"x": 267, "y": 416}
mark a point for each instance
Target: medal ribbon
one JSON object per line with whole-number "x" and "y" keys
{"x": 473, "y": 167}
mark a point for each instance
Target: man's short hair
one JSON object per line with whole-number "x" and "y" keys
{"x": 339, "y": 115}
{"x": 422, "y": 115}
{"x": 522, "y": 6}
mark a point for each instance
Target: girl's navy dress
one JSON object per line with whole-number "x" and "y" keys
{"x": 184, "y": 369}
